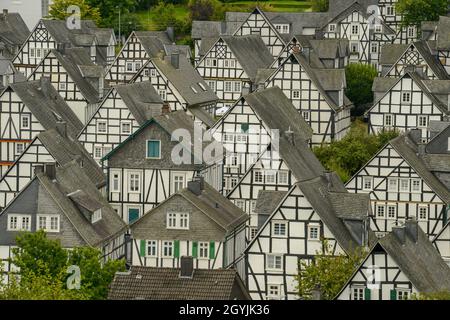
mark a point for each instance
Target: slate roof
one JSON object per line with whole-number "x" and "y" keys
{"x": 350, "y": 205}
{"x": 47, "y": 105}
{"x": 408, "y": 150}
{"x": 268, "y": 201}
{"x": 339, "y": 5}
{"x": 443, "y": 33}
{"x": 251, "y": 52}
{"x": 268, "y": 101}
{"x": 184, "y": 79}
{"x": 419, "y": 260}
{"x": 148, "y": 283}
{"x": 141, "y": 99}
{"x": 13, "y": 29}
{"x": 70, "y": 178}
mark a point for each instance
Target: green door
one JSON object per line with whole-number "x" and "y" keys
{"x": 133, "y": 215}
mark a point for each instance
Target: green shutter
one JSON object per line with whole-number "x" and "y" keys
{"x": 176, "y": 248}
{"x": 212, "y": 249}
{"x": 244, "y": 127}
{"x": 445, "y": 214}
{"x": 153, "y": 148}
{"x": 143, "y": 248}
{"x": 195, "y": 249}
{"x": 393, "y": 294}
{"x": 367, "y": 294}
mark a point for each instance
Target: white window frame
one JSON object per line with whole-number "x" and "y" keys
{"x": 402, "y": 292}
{"x": 203, "y": 250}
{"x": 48, "y": 218}
{"x": 271, "y": 262}
{"x": 276, "y": 231}
{"x": 19, "y": 222}
{"x": 388, "y": 211}
{"x": 146, "y": 149}
{"x": 130, "y": 184}
{"x": 295, "y": 94}
{"x": 420, "y": 119}
{"x": 177, "y": 220}
{"x": 95, "y": 153}
{"x": 391, "y": 120}
{"x": 314, "y": 226}
{"x": 390, "y": 11}
{"x": 258, "y": 176}
{"x": 271, "y": 289}
{"x": 366, "y": 179}
{"x": 169, "y": 245}
{"x": 115, "y": 180}
{"x": 62, "y": 86}
{"x": 100, "y": 122}
{"x": 380, "y": 208}
{"x": 390, "y": 187}
{"x": 419, "y": 213}
{"x": 176, "y": 176}
{"x": 283, "y": 177}
{"x": 28, "y": 121}
{"x": 332, "y": 27}
{"x": 419, "y": 184}
{"x": 228, "y": 86}
{"x": 400, "y": 189}
{"x": 151, "y": 249}
{"x": 22, "y": 144}
{"x": 162, "y": 94}
{"x": 357, "y": 29}
{"x": 360, "y": 290}
{"x": 122, "y": 123}
{"x": 405, "y": 94}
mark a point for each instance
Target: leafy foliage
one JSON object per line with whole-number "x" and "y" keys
{"x": 43, "y": 261}
{"x": 320, "y": 5}
{"x": 442, "y": 295}
{"x": 360, "y": 79}
{"x": 416, "y": 11}
{"x": 165, "y": 16}
{"x": 327, "y": 272}
{"x": 349, "y": 154}
{"x": 58, "y": 10}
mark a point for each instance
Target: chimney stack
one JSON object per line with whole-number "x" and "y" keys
{"x": 290, "y": 136}
{"x": 187, "y": 267}
{"x": 196, "y": 185}
{"x": 5, "y": 12}
{"x": 399, "y": 233}
{"x": 412, "y": 229}
{"x": 50, "y": 170}
{"x": 171, "y": 33}
{"x": 165, "y": 108}
{"x": 175, "y": 59}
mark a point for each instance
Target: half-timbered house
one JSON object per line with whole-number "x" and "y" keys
{"x": 65, "y": 204}
{"x": 316, "y": 92}
{"x": 401, "y": 185}
{"x": 152, "y": 163}
{"x": 231, "y": 65}
{"x": 442, "y": 243}
{"x": 250, "y": 126}
{"x": 401, "y": 265}
{"x": 8, "y": 74}
{"x": 438, "y": 32}
{"x": 123, "y": 110}
{"x": 13, "y": 34}
{"x": 396, "y": 59}
{"x": 140, "y": 47}
{"x": 196, "y": 221}
{"x": 54, "y": 34}
{"x": 407, "y": 103}
{"x": 76, "y": 78}
{"x": 28, "y": 108}
{"x": 53, "y": 146}
{"x": 180, "y": 85}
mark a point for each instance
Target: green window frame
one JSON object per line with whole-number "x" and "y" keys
{"x": 176, "y": 248}
{"x": 153, "y": 149}
{"x": 212, "y": 249}
{"x": 143, "y": 248}
{"x": 195, "y": 249}
{"x": 393, "y": 294}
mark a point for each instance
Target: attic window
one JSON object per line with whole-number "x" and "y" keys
{"x": 194, "y": 90}
{"x": 96, "y": 216}
{"x": 332, "y": 27}
{"x": 282, "y": 28}
{"x": 202, "y": 86}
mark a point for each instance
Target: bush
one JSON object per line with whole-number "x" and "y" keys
{"x": 360, "y": 79}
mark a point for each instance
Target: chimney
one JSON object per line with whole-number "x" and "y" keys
{"x": 165, "y": 108}
{"x": 296, "y": 49}
{"x": 290, "y": 136}
{"x": 175, "y": 59}
{"x": 171, "y": 33}
{"x": 196, "y": 185}
{"x": 399, "y": 233}
{"x": 61, "y": 127}
{"x": 5, "y": 12}
{"x": 61, "y": 48}
{"x": 50, "y": 170}
{"x": 187, "y": 267}
{"x": 38, "y": 169}
{"x": 416, "y": 135}
{"x": 412, "y": 229}
{"x": 128, "y": 241}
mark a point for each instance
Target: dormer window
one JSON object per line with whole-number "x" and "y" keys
{"x": 282, "y": 28}
{"x": 332, "y": 27}
{"x": 202, "y": 86}
{"x": 193, "y": 89}
{"x": 177, "y": 220}
{"x": 96, "y": 216}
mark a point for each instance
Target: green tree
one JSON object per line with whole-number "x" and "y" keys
{"x": 201, "y": 9}
{"x": 319, "y": 5}
{"x": 416, "y": 11}
{"x": 360, "y": 79}
{"x": 165, "y": 16}
{"x": 328, "y": 272}
{"x": 58, "y": 10}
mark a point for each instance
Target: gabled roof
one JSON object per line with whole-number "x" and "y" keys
{"x": 339, "y": 5}
{"x": 251, "y": 52}
{"x": 147, "y": 283}
{"x": 272, "y": 101}
{"x": 47, "y": 105}
{"x": 141, "y": 99}
{"x": 13, "y": 29}
{"x": 268, "y": 201}
{"x": 71, "y": 178}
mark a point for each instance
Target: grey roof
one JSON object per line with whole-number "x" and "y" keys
{"x": 443, "y": 32}
{"x": 201, "y": 114}
{"x": 207, "y": 29}
{"x": 184, "y": 50}
{"x": 251, "y": 52}
{"x": 437, "y": 126}
{"x": 65, "y": 150}
{"x": 147, "y": 283}
{"x": 419, "y": 260}
{"x": 350, "y": 205}
{"x": 437, "y": 162}
{"x": 269, "y": 101}
{"x": 339, "y": 5}
{"x": 79, "y": 66}
{"x": 13, "y": 29}
{"x": 299, "y": 21}
{"x": 408, "y": 150}
{"x": 330, "y": 48}
{"x": 154, "y": 42}
{"x": 186, "y": 79}
{"x": 429, "y": 25}
{"x": 47, "y": 105}
{"x": 85, "y": 200}
{"x": 6, "y": 67}
{"x": 70, "y": 178}
{"x": 383, "y": 84}
{"x": 141, "y": 99}
{"x": 391, "y": 52}
{"x": 206, "y": 44}
{"x": 268, "y": 200}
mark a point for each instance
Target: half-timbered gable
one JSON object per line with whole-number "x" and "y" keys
{"x": 231, "y": 65}
{"x": 180, "y": 85}
{"x": 124, "y": 109}
{"x": 197, "y": 221}
{"x": 442, "y": 243}
{"x": 401, "y": 186}
{"x": 312, "y": 210}
{"x": 67, "y": 205}
{"x": 152, "y": 164}
{"x": 13, "y": 35}
{"x": 407, "y": 103}
{"x": 249, "y": 127}
{"x": 396, "y": 59}
{"x": 76, "y": 78}
{"x": 52, "y": 147}
{"x": 402, "y": 264}
{"x": 27, "y": 109}
{"x": 317, "y": 94}
{"x": 355, "y": 24}
{"x": 54, "y": 34}
{"x": 388, "y": 11}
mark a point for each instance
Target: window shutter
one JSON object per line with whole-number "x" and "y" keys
{"x": 176, "y": 248}
{"x": 367, "y": 294}
{"x": 153, "y": 149}
{"x": 393, "y": 294}
{"x": 195, "y": 249}
{"x": 212, "y": 249}
{"x": 143, "y": 248}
